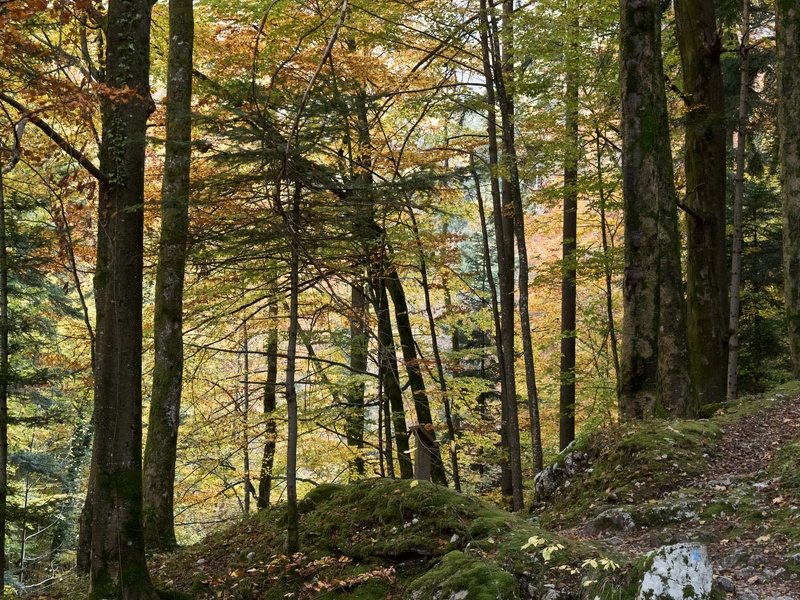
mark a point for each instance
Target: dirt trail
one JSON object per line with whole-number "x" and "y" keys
{"x": 747, "y": 542}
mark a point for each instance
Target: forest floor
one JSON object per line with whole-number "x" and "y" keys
{"x": 743, "y": 502}
{"x": 731, "y": 482}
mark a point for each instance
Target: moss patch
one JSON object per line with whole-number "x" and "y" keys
{"x": 459, "y": 576}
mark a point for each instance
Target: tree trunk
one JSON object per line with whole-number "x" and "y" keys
{"x": 502, "y": 202}
{"x": 569, "y": 290}
{"x": 359, "y": 357}
{"x": 787, "y": 20}
{"x": 4, "y": 374}
{"x": 448, "y": 415}
{"x": 292, "y": 217}
{"x": 504, "y": 81}
{"x": 652, "y": 377}
{"x": 391, "y": 382}
{"x": 738, "y": 200}
{"x": 706, "y": 265}
{"x": 245, "y": 411}
{"x": 612, "y": 329}
{"x": 270, "y": 405}
{"x": 413, "y": 370}
{"x": 162, "y": 431}
{"x": 118, "y": 567}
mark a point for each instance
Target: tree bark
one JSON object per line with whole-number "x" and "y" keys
{"x": 270, "y": 405}
{"x": 391, "y": 381}
{"x": 502, "y": 202}
{"x": 788, "y": 40}
{"x": 653, "y": 379}
{"x": 118, "y": 567}
{"x": 292, "y": 219}
{"x": 569, "y": 244}
{"x": 162, "y": 432}
{"x": 416, "y": 382}
{"x": 354, "y": 395}
{"x": 738, "y": 201}
{"x": 4, "y": 374}
{"x": 705, "y": 165}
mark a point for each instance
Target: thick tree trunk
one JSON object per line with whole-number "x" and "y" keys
{"x": 652, "y": 376}
{"x": 788, "y": 39}
{"x": 162, "y": 432}
{"x": 706, "y": 265}
{"x": 738, "y": 201}
{"x": 413, "y": 370}
{"x": 117, "y": 565}
{"x": 270, "y": 405}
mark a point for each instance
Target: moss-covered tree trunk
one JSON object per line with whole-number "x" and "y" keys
{"x": 705, "y": 166}
{"x": 653, "y": 335}
{"x": 117, "y": 561}
{"x": 165, "y": 402}
{"x": 788, "y": 40}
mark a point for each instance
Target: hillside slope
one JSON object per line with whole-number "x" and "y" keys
{"x": 732, "y": 482}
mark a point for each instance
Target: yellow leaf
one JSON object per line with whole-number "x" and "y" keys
{"x": 415, "y": 483}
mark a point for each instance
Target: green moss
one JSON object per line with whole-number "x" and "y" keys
{"x": 458, "y": 573}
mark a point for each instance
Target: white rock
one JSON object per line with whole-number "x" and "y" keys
{"x": 678, "y": 572}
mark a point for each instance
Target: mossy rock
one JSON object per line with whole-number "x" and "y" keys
{"x": 395, "y": 519}
{"x": 461, "y": 577}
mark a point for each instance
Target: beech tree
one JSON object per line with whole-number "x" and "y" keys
{"x": 653, "y": 377}
{"x": 114, "y": 503}
{"x": 787, "y": 20}
{"x": 162, "y": 431}
{"x": 705, "y": 167}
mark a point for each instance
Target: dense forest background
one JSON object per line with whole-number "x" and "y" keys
{"x": 325, "y": 235}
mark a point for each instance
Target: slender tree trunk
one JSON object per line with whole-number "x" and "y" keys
{"x": 738, "y": 201}
{"x": 292, "y": 515}
{"x": 270, "y": 405}
{"x": 4, "y": 374}
{"x": 612, "y": 329}
{"x": 502, "y": 201}
{"x": 359, "y": 356}
{"x": 448, "y": 415}
{"x": 162, "y": 431}
{"x": 787, "y": 20}
{"x": 706, "y": 268}
{"x": 511, "y": 184}
{"x": 487, "y": 263}
{"x": 569, "y": 292}
{"x": 652, "y": 375}
{"x": 248, "y": 486}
